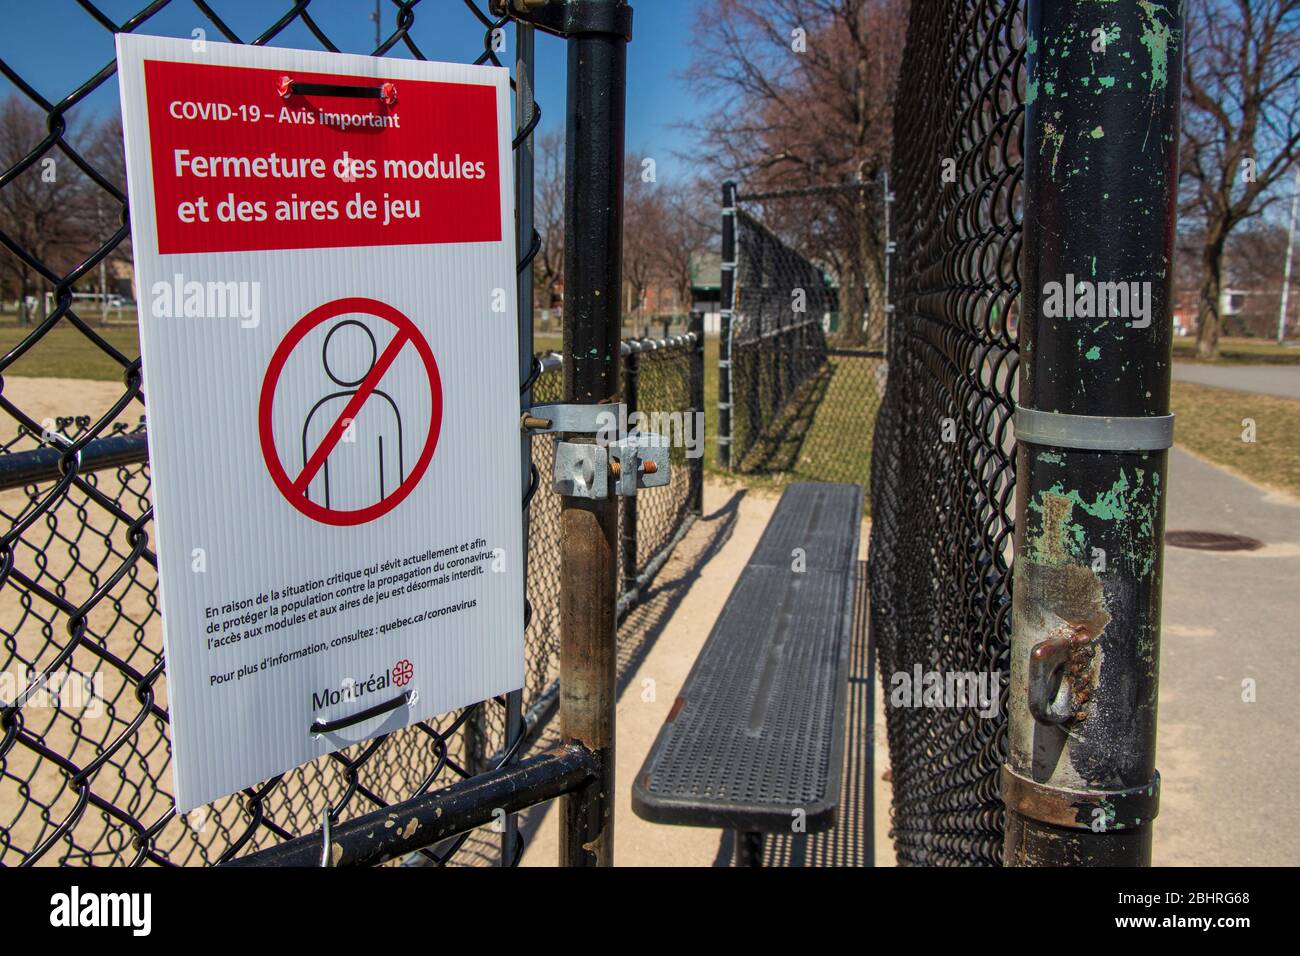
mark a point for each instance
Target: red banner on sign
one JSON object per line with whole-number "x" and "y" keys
{"x": 237, "y": 166}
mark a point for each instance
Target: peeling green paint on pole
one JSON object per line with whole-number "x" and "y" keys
{"x": 1080, "y": 782}
{"x": 1156, "y": 37}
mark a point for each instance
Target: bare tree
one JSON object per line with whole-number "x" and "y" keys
{"x": 689, "y": 223}
{"x": 1254, "y": 263}
{"x": 1241, "y": 128}
{"x": 809, "y": 87}
{"x": 40, "y": 208}
{"x": 643, "y": 227}
{"x": 107, "y": 155}
{"x": 548, "y": 218}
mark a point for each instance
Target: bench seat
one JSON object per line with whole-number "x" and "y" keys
{"x": 757, "y": 733}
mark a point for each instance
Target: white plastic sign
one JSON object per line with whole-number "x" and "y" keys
{"x": 325, "y": 264}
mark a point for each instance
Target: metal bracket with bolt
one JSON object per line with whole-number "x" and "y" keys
{"x": 569, "y": 18}
{"x": 627, "y": 462}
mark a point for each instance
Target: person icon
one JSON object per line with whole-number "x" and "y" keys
{"x": 366, "y": 464}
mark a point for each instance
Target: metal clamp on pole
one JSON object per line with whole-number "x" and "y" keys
{"x": 569, "y": 18}
{"x": 625, "y": 461}
{"x": 1094, "y": 432}
{"x": 1096, "y": 811}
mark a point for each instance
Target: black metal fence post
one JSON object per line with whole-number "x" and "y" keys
{"x": 598, "y": 32}
{"x": 696, "y": 328}
{"x": 780, "y": 351}
{"x": 1093, "y": 426}
{"x": 525, "y": 113}
{"x": 727, "y": 305}
{"x": 475, "y": 739}
{"x": 886, "y": 204}
{"x": 627, "y": 531}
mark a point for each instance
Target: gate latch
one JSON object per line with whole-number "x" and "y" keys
{"x": 623, "y": 461}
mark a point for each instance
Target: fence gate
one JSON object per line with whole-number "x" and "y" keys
{"x": 84, "y": 740}
{"x": 802, "y": 365}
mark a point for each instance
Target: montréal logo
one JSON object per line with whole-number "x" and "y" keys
{"x": 355, "y": 688}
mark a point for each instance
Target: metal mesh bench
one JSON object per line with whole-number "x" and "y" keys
{"x": 755, "y": 741}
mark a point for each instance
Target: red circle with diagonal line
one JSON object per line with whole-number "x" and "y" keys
{"x": 407, "y": 336}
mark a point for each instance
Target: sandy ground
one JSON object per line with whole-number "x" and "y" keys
{"x": 98, "y": 702}
{"x": 43, "y": 398}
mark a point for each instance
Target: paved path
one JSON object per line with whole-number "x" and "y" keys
{"x": 1231, "y": 780}
{"x": 1283, "y": 380}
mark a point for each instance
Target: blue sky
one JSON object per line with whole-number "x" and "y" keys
{"x": 55, "y": 46}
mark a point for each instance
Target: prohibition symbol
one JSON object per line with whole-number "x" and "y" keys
{"x": 302, "y": 473}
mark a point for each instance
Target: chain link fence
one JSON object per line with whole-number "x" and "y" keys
{"x": 802, "y": 390}
{"x": 84, "y": 742}
{"x": 649, "y": 525}
{"x": 943, "y": 479}
{"x": 661, "y": 376}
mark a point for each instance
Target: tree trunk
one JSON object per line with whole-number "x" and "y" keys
{"x": 1208, "y": 320}
{"x": 876, "y": 317}
{"x": 24, "y": 311}
{"x": 852, "y": 304}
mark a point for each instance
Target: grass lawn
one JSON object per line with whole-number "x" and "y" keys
{"x": 66, "y": 352}
{"x": 825, "y": 436}
{"x": 837, "y": 445}
{"x": 1209, "y": 422}
{"x": 1237, "y": 351}
{"x": 834, "y": 441}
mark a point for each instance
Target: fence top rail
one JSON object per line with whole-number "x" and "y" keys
{"x": 807, "y": 191}
{"x": 46, "y": 464}
{"x": 746, "y": 337}
{"x": 629, "y": 346}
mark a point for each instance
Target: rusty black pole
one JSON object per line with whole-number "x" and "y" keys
{"x": 598, "y": 32}
{"x": 1093, "y": 426}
